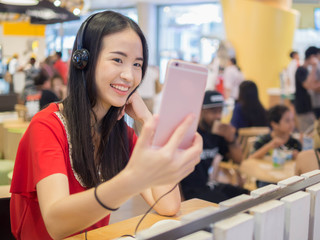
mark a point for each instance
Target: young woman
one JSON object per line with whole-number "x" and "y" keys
{"x": 248, "y": 111}
{"x": 78, "y": 160}
{"x": 282, "y": 123}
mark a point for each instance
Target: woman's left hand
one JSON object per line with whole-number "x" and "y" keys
{"x": 136, "y": 108}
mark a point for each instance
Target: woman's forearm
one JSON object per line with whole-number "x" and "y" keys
{"x": 261, "y": 152}
{"x": 66, "y": 214}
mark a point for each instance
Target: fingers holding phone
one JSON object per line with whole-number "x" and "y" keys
{"x": 167, "y": 164}
{"x": 182, "y": 94}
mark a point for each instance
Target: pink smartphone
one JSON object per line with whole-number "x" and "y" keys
{"x": 183, "y": 94}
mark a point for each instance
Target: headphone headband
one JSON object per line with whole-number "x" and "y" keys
{"x": 82, "y": 30}
{"x": 80, "y": 57}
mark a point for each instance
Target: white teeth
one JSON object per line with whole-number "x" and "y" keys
{"x": 121, "y": 88}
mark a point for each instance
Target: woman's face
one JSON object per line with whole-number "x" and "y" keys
{"x": 119, "y": 68}
{"x": 286, "y": 123}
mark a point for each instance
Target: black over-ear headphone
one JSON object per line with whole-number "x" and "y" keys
{"x": 80, "y": 57}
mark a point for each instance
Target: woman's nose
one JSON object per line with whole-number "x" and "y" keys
{"x": 127, "y": 74}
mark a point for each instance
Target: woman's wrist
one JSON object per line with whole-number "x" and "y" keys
{"x": 122, "y": 185}
{"x": 137, "y": 179}
{"x": 146, "y": 117}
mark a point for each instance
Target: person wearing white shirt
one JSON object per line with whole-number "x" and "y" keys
{"x": 291, "y": 72}
{"x": 232, "y": 78}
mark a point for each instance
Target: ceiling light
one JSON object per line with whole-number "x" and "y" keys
{"x": 20, "y": 2}
{"x": 76, "y": 11}
{"x": 57, "y": 3}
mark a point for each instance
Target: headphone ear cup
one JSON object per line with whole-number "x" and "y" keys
{"x": 80, "y": 58}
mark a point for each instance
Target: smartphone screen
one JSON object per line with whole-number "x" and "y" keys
{"x": 183, "y": 94}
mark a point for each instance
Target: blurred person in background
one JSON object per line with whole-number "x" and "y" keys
{"x": 47, "y": 65}
{"x": 219, "y": 83}
{"x": 31, "y": 71}
{"x": 291, "y": 71}
{"x": 58, "y": 87}
{"x": 305, "y": 81}
{"x": 232, "y": 78}
{"x": 61, "y": 67}
{"x": 220, "y": 142}
{"x": 315, "y": 92}
{"x": 43, "y": 84}
{"x": 281, "y": 120}
{"x": 13, "y": 66}
{"x": 41, "y": 95}
{"x": 213, "y": 70}
{"x": 248, "y": 111}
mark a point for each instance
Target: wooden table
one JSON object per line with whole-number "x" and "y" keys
{"x": 128, "y": 226}
{"x": 263, "y": 170}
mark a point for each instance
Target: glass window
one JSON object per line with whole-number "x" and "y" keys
{"x": 189, "y": 32}
{"x": 61, "y": 36}
{"x": 304, "y": 38}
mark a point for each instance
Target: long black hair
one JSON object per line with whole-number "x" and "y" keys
{"x": 253, "y": 111}
{"x": 113, "y": 151}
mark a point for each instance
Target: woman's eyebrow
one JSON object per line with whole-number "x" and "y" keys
{"x": 125, "y": 55}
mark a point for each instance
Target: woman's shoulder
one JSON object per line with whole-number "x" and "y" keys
{"x": 46, "y": 112}
{"x": 48, "y": 117}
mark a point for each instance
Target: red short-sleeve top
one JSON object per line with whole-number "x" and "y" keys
{"x": 43, "y": 151}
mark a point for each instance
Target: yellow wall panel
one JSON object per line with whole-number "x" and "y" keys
{"x": 262, "y": 36}
{"x": 278, "y": 3}
{"x": 23, "y": 28}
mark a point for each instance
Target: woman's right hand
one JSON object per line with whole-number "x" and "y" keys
{"x": 165, "y": 165}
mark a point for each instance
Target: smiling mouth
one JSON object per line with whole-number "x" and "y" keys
{"x": 120, "y": 88}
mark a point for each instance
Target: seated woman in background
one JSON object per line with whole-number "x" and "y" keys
{"x": 58, "y": 87}
{"x": 282, "y": 123}
{"x": 309, "y": 160}
{"x": 248, "y": 111}
{"x": 41, "y": 95}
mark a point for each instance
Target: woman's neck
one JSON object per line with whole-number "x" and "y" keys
{"x": 100, "y": 111}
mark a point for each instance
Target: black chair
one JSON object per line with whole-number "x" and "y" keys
{"x": 8, "y": 101}
{"x": 5, "y": 225}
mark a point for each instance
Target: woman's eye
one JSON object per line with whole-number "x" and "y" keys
{"x": 138, "y": 65}
{"x": 118, "y": 60}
